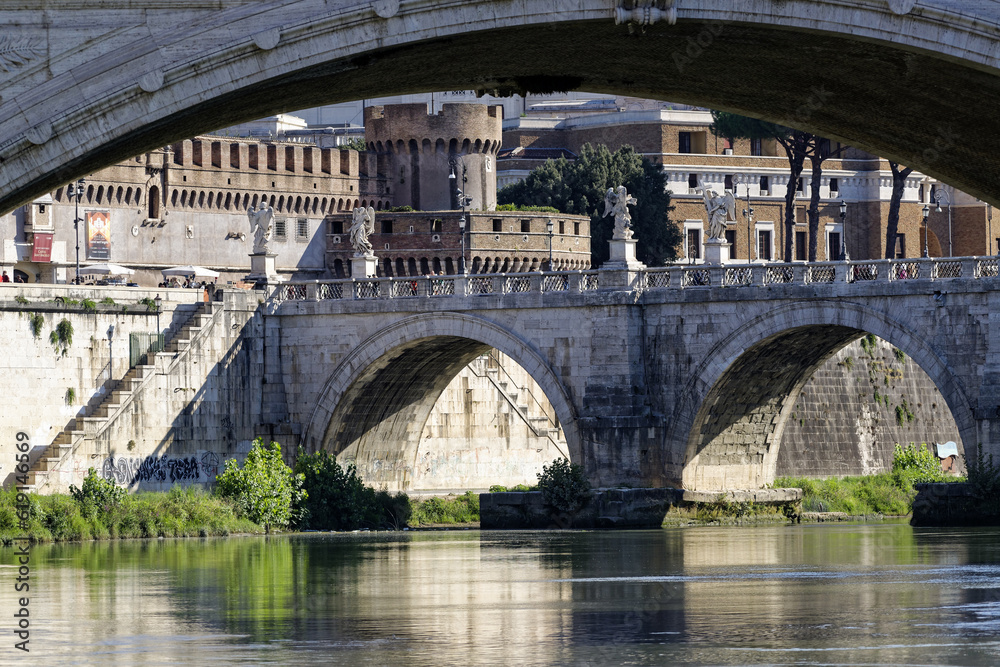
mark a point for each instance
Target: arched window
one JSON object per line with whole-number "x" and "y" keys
{"x": 412, "y": 265}
{"x": 387, "y": 267}
{"x": 154, "y": 203}
{"x": 400, "y": 267}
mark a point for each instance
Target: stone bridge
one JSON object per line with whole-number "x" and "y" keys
{"x": 677, "y": 376}
{"x": 84, "y": 85}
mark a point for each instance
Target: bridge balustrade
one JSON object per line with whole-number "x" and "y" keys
{"x": 672, "y": 277}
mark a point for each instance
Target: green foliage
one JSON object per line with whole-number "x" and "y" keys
{"x": 868, "y": 345}
{"x": 515, "y": 207}
{"x": 36, "y": 322}
{"x": 337, "y": 498}
{"x": 150, "y": 304}
{"x": 900, "y": 355}
{"x": 984, "y": 478}
{"x": 903, "y": 414}
{"x": 265, "y": 490}
{"x": 61, "y": 337}
{"x": 912, "y": 465}
{"x": 857, "y": 496}
{"x": 99, "y": 498}
{"x": 89, "y": 306}
{"x": 496, "y": 488}
{"x": 66, "y": 301}
{"x": 401, "y": 209}
{"x": 21, "y": 300}
{"x": 734, "y": 126}
{"x": 460, "y": 509}
{"x": 355, "y": 144}
{"x": 107, "y": 301}
{"x": 564, "y": 486}
{"x": 70, "y": 396}
{"x": 848, "y": 363}
{"x": 579, "y": 187}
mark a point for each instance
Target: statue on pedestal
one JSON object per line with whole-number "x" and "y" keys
{"x": 261, "y": 225}
{"x": 362, "y": 224}
{"x": 616, "y": 201}
{"x": 720, "y": 208}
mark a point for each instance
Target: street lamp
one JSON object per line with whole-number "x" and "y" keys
{"x": 462, "y": 200}
{"x": 75, "y": 191}
{"x": 927, "y": 213}
{"x": 461, "y": 231}
{"x": 157, "y": 300}
{"x": 939, "y": 194}
{"x": 548, "y": 226}
{"x": 843, "y": 231}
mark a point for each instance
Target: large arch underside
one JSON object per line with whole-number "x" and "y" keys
{"x": 854, "y": 81}
{"x": 379, "y": 422}
{"x": 742, "y": 395}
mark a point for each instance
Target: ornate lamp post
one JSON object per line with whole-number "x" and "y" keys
{"x": 462, "y": 200}
{"x": 111, "y": 335}
{"x": 75, "y": 191}
{"x": 940, "y": 194}
{"x": 548, "y": 226}
{"x": 843, "y": 232}
{"x": 927, "y": 213}
{"x": 461, "y": 231}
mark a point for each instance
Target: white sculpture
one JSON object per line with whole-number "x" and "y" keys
{"x": 261, "y": 225}
{"x": 362, "y": 224}
{"x": 616, "y": 201}
{"x": 720, "y": 208}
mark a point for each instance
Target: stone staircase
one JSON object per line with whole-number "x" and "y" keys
{"x": 541, "y": 426}
{"x": 96, "y": 418}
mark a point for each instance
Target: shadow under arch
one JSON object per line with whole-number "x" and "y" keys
{"x": 374, "y": 406}
{"x": 729, "y": 426}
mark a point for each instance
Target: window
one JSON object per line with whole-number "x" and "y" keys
{"x": 834, "y": 187}
{"x": 692, "y": 182}
{"x": 833, "y": 247}
{"x": 731, "y": 240}
{"x": 436, "y": 226}
{"x": 336, "y": 226}
{"x": 497, "y": 225}
{"x": 525, "y": 226}
{"x": 765, "y": 185}
{"x": 683, "y": 142}
{"x": 576, "y": 229}
{"x": 755, "y": 147}
{"x": 800, "y": 185}
{"x": 562, "y": 225}
{"x": 693, "y": 249}
{"x": 386, "y": 226}
{"x": 302, "y": 229}
{"x": 800, "y": 246}
{"x": 764, "y": 244}
{"x": 900, "y": 246}
{"x": 280, "y": 231}
{"x": 729, "y": 182}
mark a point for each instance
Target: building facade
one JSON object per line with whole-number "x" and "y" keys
{"x": 757, "y": 172}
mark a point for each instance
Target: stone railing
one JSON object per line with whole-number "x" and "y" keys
{"x": 671, "y": 277}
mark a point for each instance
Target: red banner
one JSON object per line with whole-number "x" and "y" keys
{"x": 41, "y": 251}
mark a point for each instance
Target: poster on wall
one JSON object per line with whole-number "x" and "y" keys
{"x": 98, "y": 235}
{"x": 41, "y": 248}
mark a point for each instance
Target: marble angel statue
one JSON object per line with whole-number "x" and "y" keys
{"x": 261, "y": 225}
{"x": 616, "y": 202}
{"x": 720, "y": 208}
{"x": 362, "y": 224}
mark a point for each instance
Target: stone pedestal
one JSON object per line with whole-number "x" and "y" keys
{"x": 363, "y": 267}
{"x": 262, "y": 268}
{"x": 716, "y": 251}
{"x": 621, "y": 271}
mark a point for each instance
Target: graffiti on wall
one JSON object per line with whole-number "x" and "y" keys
{"x": 129, "y": 471}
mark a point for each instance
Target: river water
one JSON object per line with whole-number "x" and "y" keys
{"x": 869, "y": 594}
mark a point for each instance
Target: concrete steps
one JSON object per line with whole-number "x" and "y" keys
{"x": 66, "y": 441}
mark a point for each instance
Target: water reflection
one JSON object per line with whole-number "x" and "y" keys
{"x": 846, "y": 594}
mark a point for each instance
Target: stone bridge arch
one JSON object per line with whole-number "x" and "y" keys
{"x": 728, "y": 429}
{"x": 374, "y": 406}
{"x": 73, "y": 101}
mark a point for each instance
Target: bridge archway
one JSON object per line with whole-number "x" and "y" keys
{"x": 742, "y": 394}
{"x": 155, "y": 77}
{"x": 374, "y": 406}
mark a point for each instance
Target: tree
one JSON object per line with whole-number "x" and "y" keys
{"x": 892, "y": 222}
{"x": 578, "y": 187}
{"x": 798, "y": 146}
{"x": 265, "y": 489}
